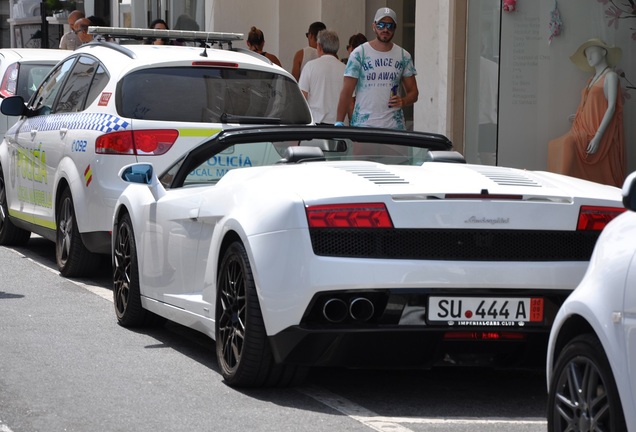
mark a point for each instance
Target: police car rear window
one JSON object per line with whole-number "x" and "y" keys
{"x": 205, "y": 94}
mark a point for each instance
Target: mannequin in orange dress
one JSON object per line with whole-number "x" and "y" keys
{"x": 594, "y": 148}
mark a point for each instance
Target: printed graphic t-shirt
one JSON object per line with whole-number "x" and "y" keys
{"x": 379, "y": 76}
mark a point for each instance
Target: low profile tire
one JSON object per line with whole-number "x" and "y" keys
{"x": 10, "y": 235}
{"x": 126, "y": 293}
{"x": 73, "y": 259}
{"x": 583, "y": 394}
{"x": 242, "y": 348}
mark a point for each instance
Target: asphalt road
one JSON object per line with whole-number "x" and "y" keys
{"x": 65, "y": 365}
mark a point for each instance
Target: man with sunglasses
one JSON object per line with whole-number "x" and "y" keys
{"x": 81, "y": 30}
{"x": 308, "y": 53}
{"x": 375, "y": 72}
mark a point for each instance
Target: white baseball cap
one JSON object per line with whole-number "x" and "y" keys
{"x": 385, "y": 12}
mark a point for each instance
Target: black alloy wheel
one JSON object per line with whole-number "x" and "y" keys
{"x": 126, "y": 291}
{"x": 242, "y": 348}
{"x": 583, "y": 395}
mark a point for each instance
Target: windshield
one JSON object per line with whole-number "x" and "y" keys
{"x": 204, "y": 94}
{"x": 209, "y": 168}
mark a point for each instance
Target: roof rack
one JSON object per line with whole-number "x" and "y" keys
{"x": 182, "y": 35}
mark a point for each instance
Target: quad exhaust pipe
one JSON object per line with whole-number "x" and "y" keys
{"x": 335, "y": 310}
{"x": 359, "y": 309}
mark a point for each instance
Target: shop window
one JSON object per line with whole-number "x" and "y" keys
{"x": 482, "y": 82}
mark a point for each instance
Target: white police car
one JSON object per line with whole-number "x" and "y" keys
{"x": 107, "y": 105}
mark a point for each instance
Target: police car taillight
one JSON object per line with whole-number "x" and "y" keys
{"x": 592, "y": 218}
{"x": 143, "y": 142}
{"x": 365, "y": 215}
{"x": 10, "y": 81}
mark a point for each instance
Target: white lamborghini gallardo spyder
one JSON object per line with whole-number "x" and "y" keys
{"x": 300, "y": 246}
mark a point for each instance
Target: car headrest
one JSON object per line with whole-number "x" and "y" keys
{"x": 296, "y": 154}
{"x": 444, "y": 156}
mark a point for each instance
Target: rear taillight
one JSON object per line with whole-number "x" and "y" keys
{"x": 366, "y": 215}
{"x": 143, "y": 142}
{"x": 10, "y": 81}
{"x": 593, "y": 218}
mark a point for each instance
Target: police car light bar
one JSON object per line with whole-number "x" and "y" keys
{"x": 186, "y": 35}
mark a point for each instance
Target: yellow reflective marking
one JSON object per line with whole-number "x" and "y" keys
{"x": 29, "y": 218}
{"x": 19, "y": 215}
{"x": 45, "y": 223}
{"x": 199, "y": 132}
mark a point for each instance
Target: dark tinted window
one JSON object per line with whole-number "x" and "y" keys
{"x": 100, "y": 79}
{"x": 75, "y": 91}
{"x": 204, "y": 94}
{"x": 45, "y": 96}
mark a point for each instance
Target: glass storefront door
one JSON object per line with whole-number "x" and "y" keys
{"x": 482, "y": 81}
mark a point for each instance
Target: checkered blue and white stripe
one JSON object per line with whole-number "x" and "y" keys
{"x": 84, "y": 121}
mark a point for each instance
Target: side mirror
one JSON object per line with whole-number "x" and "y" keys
{"x": 138, "y": 173}
{"x": 13, "y": 106}
{"x": 142, "y": 173}
{"x": 629, "y": 192}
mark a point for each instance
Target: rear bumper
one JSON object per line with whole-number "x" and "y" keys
{"x": 396, "y": 333}
{"x": 410, "y": 348}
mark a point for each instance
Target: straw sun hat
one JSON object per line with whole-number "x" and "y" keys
{"x": 578, "y": 58}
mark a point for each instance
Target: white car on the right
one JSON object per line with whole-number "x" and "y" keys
{"x": 591, "y": 360}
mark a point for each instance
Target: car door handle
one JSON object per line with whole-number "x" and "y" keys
{"x": 34, "y": 132}
{"x": 63, "y": 132}
{"x": 194, "y": 214}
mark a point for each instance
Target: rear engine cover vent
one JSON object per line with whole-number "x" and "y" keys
{"x": 508, "y": 178}
{"x": 377, "y": 176}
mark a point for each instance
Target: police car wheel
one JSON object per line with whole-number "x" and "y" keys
{"x": 10, "y": 235}
{"x": 73, "y": 259}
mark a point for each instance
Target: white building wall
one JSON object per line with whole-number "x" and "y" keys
{"x": 238, "y": 16}
{"x": 285, "y": 22}
{"x": 345, "y": 17}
